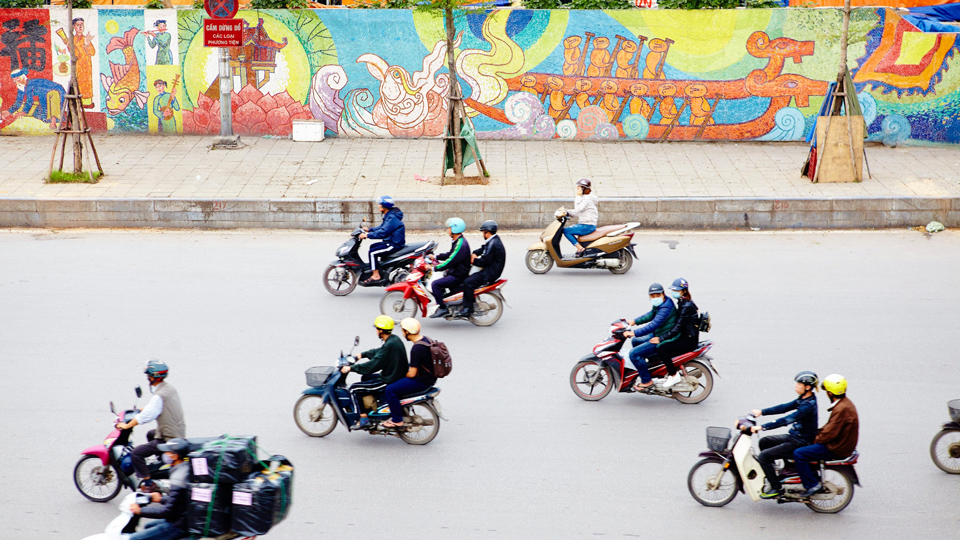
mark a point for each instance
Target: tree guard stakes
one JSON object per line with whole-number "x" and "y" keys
{"x": 222, "y": 31}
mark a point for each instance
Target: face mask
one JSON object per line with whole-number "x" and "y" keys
{"x": 674, "y": 294}
{"x": 167, "y": 459}
{"x": 656, "y": 301}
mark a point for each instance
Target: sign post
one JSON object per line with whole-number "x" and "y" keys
{"x": 223, "y": 31}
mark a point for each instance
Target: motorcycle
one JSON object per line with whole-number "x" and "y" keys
{"x": 945, "y": 447}
{"x": 342, "y": 276}
{"x": 402, "y": 300}
{"x": 328, "y": 400}
{"x": 106, "y": 468}
{"x": 607, "y": 248}
{"x": 723, "y": 471}
{"x": 595, "y": 375}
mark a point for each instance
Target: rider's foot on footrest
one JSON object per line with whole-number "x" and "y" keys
{"x": 441, "y": 312}
{"x": 770, "y": 493}
{"x": 812, "y": 491}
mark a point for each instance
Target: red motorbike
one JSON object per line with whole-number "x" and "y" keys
{"x": 597, "y": 374}
{"x": 406, "y": 298}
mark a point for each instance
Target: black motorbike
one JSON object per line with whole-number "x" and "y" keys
{"x": 945, "y": 447}
{"x": 342, "y": 276}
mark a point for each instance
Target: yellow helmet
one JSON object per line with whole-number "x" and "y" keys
{"x": 835, "y": 384}
{"x": 410, "y": 325}
{"x": 383, "y": 322}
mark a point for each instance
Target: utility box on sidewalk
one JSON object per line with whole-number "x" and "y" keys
{"x": 834, "y": 157}
{"x": 308, "y": 130}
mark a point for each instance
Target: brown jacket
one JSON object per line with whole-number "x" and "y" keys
{"x": 840, "y": 432}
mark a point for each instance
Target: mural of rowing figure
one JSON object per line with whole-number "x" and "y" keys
{"x": 701, "y": 113}
{"x": 571, "y": 55}
{"x": 778, "y": 50}
{"x": 610, "y": 104}
{"x": 39, "y": 98}
{"x": 638, "y": 103}
{"x": 559, "y": 104}
{"x": 583, "y": 87}
{"x": 656, "y": 58}
{"x": 123, "y": 83}
{"x": 600, "y": 58}
{"x": 668, "y": 109}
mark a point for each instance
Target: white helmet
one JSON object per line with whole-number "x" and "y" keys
{"x": 410, "y": 326}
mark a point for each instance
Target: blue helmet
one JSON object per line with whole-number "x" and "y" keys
{"x": 156, "y": 369}
{"x": 655, "y": 288}
{"x": 456, "y": 225}
{"x": 679, "y": 284}
{"x": 385, "y": 201}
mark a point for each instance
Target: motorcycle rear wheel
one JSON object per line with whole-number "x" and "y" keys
{"x": 423, "y": 416}
{"x": 487, "y": 310}
{"x": 394, "y": 305}
{"x": 314, "y": 416}
{"x": 943, "y": 449}
{"x": 340, "y": 281}
{"x": 840, "y": 501}
{"x": 580, "y": 377}
{"x": 96, "y": 481}
{"x": 538, "y": 261}
{"x": 626, "y": 262}
{"x": 705, "y": 382}
{"x": 703, "y": 474}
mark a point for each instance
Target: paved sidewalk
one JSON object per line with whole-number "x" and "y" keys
{"x": 140, "y": 166}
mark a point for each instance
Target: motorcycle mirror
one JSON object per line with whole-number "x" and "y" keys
{"x": 356, "y": 341}
{"x": 138, "y": 391}
{"x": 112, "y": 409}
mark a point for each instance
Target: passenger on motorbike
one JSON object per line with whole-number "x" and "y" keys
{"x": 455, "y": 263}
{"x": 585, "y": 210}
{"x": 837, "y": 439}
{"x": 684, "y": 335}
{"x": 491, "y": 258}
{"x": 655, "y": 323}
{"x": 392, "y": 231}
{"x": 170, "y": 510}
{"x": 164, "y": 407}
{"x": 802, "y": 431}
{"x": 384, "y": 365}
{"x": 419, "y": 377}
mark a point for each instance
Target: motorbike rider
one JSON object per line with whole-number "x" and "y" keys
{"x": 455, "y": 263}
{"x": 585, "y": 210}
{"x": 684, "y": 335}
{"x": 392, "y": 231}
{"x": 837, "y": 439}
{"x": 419, "y": 376}
{"x": 655, "y": 323}
{"x": 164, "y": 407}
{"x": 384, "y": 365}
{"x": 170, "y": 510}
{"x": 491, "y": 258}
{"x": 802, "y": 431}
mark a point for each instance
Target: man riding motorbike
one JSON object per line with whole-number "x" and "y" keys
{"x": 170, "y": 510}
{"x": 455, "y": 263}
{"x": 655, "y": 323}
{"x": 164, "y": 407}
{"x": 418, "y": 378}
{"x": 585, "y": 210}
{"x": 683, "y": 336}
{"x": 390, "y": 361}
{"x": 837, "y": 439}
{"x": 392, "y": 231}
{"x": 802, "y": 431}
{"x": 491, "y": 257}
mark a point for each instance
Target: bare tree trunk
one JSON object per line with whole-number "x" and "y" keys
{"x": 844, "y": 36}
{"x": 453, "y": 100}
{"x": 73, "y": 88}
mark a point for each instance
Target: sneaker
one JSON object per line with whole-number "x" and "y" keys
{"x": 362, "y": 423}
{"x": 812, "y": 491}
{"x": 465, "y": 312}
{"x": 672, "y": 380}
{"x": 440, "y": 312}
{"x": 771, "y": 493}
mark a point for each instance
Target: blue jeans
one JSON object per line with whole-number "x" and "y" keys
{"x": 159, "y": 530}
{"x": 642, "y": 348}
{"x": 403, "y": 387}
{"x": 572, "y": 232}
{"x": 804, "y": 455}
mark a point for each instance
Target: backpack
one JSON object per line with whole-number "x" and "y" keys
{"x": 440, "y": 356}
{"x": 704, "y": 322}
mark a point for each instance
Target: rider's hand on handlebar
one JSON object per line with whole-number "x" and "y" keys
{"x": 628, "y": 333}
{"x": 345, "y": 370}
{"x": 755, "y": 429}
{"x": 362, "y": 235}
{"x": 757, "y": 412}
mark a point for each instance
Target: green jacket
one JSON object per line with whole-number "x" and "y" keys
{"x": 390, "y": 360}
{"x": 664, "y": 327}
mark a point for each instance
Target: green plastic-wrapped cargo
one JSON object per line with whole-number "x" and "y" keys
{"x": 208, "y": 512}
{"x": 263, "y": 500}
{"x": 226, "y": 460}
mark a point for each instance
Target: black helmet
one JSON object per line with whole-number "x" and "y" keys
{"x": 179, "y": 447}
{"x": 584, "y": 183}
{"x": 680, "y": 284}
{"x": 808, "y": 378}
{"x": 655, "y": 288}
{"x": 489, "y": 226}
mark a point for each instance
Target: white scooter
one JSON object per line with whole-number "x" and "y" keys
{"x": 126, "y": 523}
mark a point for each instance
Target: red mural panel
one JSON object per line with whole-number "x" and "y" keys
{"x": 25, "y": 58}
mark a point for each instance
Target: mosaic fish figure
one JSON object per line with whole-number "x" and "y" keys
{"x": 123, "y": 83}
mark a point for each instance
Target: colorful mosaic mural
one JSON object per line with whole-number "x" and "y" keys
{"x": 565, "y": 74}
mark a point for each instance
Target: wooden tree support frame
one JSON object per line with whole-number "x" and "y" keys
{"x": 457, "y": 102}
{"x": 822, "y": 146}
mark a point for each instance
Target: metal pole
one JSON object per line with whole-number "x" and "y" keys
{"x": 227, "y": 139}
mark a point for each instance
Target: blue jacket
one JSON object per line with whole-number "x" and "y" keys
{"x": 804, "y": 419}
{"x": 392, "y": 230}
{"x": 656, "y": 319}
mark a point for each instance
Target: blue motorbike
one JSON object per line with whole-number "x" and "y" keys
{"x": 329, "y": 400}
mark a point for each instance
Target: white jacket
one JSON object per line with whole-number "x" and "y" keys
{"x": 585, "y": 209}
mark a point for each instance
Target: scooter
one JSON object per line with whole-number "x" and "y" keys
{"x": 945, "y": 447}
{"x": 328, "y": 400}
{"x": 405, "y": 299}
{"x": 597, "y": 374}
{"x": 342, "y": 276}
{"x": 607, "y": 248}
{"x": 723, "y": 471}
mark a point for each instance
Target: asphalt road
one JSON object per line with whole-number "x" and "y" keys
{"x": 240, "y": 315}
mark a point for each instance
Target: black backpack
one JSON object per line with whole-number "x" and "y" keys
{"x": 704, "y": 323}
{"x": 440, "y": 356}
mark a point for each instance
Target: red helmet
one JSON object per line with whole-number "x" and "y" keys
{"x": 584, "y": 183}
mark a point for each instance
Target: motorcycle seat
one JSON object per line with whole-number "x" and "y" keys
{"x": 406, "y": 250}
{"x": 843, "y": 461}
{"x": 420, "y": 393}
{"x": 599, "y": 233}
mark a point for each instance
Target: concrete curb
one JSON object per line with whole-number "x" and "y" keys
{"x": 653, "y": 213}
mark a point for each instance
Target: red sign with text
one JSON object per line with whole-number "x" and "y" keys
{"x": 222, "y": 32}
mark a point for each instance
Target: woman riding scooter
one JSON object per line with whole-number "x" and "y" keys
{"x": 585, "y": 210}
{"x": 683, "y": 336}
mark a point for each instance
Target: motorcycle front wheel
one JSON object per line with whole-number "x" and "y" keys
{"x": 539, "y": 261}
{"x": 840, "y": 486}
{"x": 339, "y": 281}
{"x": 422, "y": 423}
{"x": 704, "y": 383}
{"x": 96, "y": 481}
{"x": 486, "y": 310}
{"x": 314, "y": 416}
{"x": 710, "y": 484}
{"x": 626, "y": 262}
{"x": 945, "y": 450}
{"x": 580, "y": 381}
{"x": 394, "y": 305}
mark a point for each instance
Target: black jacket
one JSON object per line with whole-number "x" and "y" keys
{"x": 390, "y": 360}
{"x": 173, "y": 506}
{"x": 456, "y": 262}
{"x": 687, "y": 325}
{"x": 491, "y": 257}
